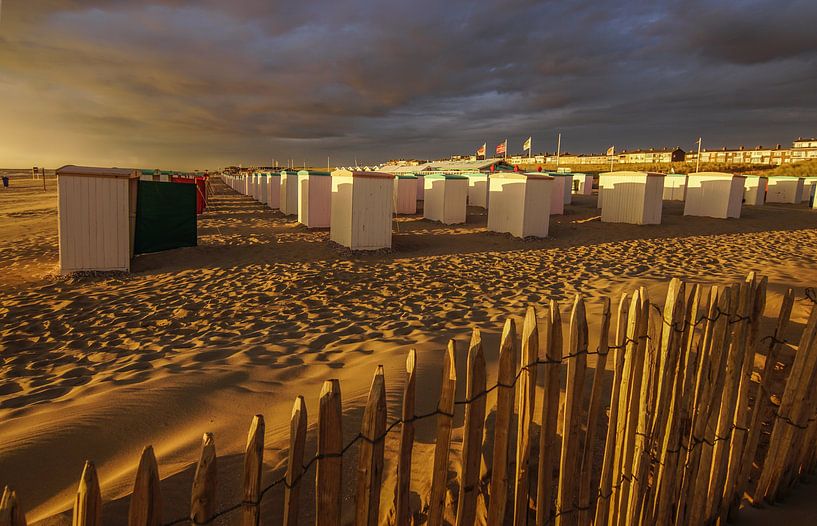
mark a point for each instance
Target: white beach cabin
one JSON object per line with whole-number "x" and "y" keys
{"x": 314, "y": 198}
{"x": 405, "y": 194}
{"x": 808, "y": 187}
{"x": 420, "y": 187}
{"x": 274, "y": 191}
{"x": 754, "y": 190}
{"x": 288, "y": 202}
{"x": 263, "y": 188}
{"x": 675, "y": 187}
{"x": 96, "y": 211}
{"x": 631, "y": 197}
{"x": 714, "y": 194}
{"x": 361, "y": 209}
{"x": 477, "y": 189}
{"x": 582, "y": 184}
{"x": 784, "y": 189}
{"x": 561, "y": 191}
{"x": 445, "y": 198}
{"x": 520, "y": 204}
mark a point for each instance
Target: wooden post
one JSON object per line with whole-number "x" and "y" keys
{"x": 502, "y": 424}
{"x": 526, "y": 397}
{"x": 593, "y": 415}
{"x": 329, "y": 473}
{"x": 88, "y": 502}
{"x": 253, "y": 462}
{"x": 548, "y": 435}
{"x": 295, "y": 464}
{"x": 370, "y": 461}
{"x": 203, "y": 498}
{"x": 439, "y": 475}
{"x": 11, "y": 513}
{"x": 566, "y": 499}
{"x": 146, "y": 501}
{"x": 403, "y": 486}
{"x": 472, "y": 434}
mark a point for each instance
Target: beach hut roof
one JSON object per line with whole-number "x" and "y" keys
{"x": 313, "y": 172}
{"x": 93, "y": 171}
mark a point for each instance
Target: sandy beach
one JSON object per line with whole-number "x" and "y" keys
{"x": 263, "y": 310}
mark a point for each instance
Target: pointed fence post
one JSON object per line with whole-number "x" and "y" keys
{"x": 146, "y": 501}
{"x": 473, "y": 430}
{"x": 88, "y": 502}
{"x": 403, "y": 486}
{"x": 329, "y": 473}
{"x": 502, "y": 425}
{"x": 253, "y": 462}
{"x": 439, "y": 475}
{"x": 203, "y": 497}
{"x": 549, "y": 443}
{"x": 295, "y": 463}
{"x": 526, "y": 398}
{"x": 370, "y": 461}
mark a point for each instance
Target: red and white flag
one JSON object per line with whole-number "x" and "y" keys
{"x": 482, "y": 149}
{"x": 501, "y": 148}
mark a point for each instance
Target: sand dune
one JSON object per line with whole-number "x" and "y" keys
{"x": 200, "y": 339}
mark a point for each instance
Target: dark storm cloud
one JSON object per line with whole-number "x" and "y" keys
{"x": 187, "y": 82}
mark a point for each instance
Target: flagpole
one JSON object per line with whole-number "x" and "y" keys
{"x": 698, "y": 160}
{"x": 558, "y": 150}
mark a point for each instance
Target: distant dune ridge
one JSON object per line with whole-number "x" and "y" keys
{"x": 203, "y": 338}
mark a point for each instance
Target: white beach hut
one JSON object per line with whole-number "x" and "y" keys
{"x": 808, "y": 187}
{"x": 96, "y": 210}
{"x": 785, "y": 190}
{"x": 263, "y": 188}
{"x": 675, "y": 187}
{"x": 631, "y": 197}
{"x": 582, "y": 184}
{"x": 477, "y": 189}
{"x": 420, "y": 187}
{"x": 520, "y": 204}
{"x": 714, "y": 194}
{"x": 445, "y": 198}
{"x": 567, "y": 187}
{"x": 288, "y": 201}
{"x": 754, "y": 190}
{"x": 274, "y": 190}
{"x": 405, "y": 194}
{"x": 361, "y": 209}
{"x": 314, "y": 198}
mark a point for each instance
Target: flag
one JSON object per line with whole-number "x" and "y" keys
{"x": 500, "y": 148}
{"x": 482, "y": 149}
{"x": 526, "y": 144}
{"x": 611, "y": 150}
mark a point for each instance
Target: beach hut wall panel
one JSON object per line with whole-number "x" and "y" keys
{"x": 477, "y": 189}
{"x": 808, "y": 187}
{"x": 582, "y": 184}
{"x": 675, "y": 187}
{"x": 558, "y": 191}
{"x": 405, "y": 194}
{"x": 289, "y": 193}
{"x": 631, "y": 197}
{"x": 314, "y": 198}
{"x": 785, "y": 190}
{"x": 263, "y": 194}
{"x": 566, "y": 188}
{"x": 420, "y": 187}
{"x": 445, "y": 198}
{"x": 96, "y": 212}
{"x": 714, "y": 194}
{"x": 520, "y": 204}
{"x": 362, "y": 208}
{"x": 274, "y": 191}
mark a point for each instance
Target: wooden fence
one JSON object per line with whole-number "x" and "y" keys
{"x": 681, "y": 443}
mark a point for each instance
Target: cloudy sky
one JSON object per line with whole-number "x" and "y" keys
{"x": 204, "y": 83}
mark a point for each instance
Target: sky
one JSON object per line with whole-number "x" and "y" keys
{"x": 195, "y": 84}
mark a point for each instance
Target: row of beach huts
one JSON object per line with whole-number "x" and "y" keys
{"x": 358, "y": 206}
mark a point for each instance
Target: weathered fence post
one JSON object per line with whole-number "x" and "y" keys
{"x": 253, "y": 462}
{"x": 548, "y": 436}
{"x": 403, "y": 487}
{"x": 146, "y": 501}
{"x": 295, "y": 462}
{"x": 439, "y": 475}
{"x": 11, "y": 514}
{"x": 329, "y": 472}
{"x": 370, "y": 460}
{"x": 88, "y": 502}
{"x": 526, "y": 397}
{"x": 502, "y": 424}
{"x": 569, "y": 477}
{"x": 203, "y": 497}
{"x": 474, "y": 426}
